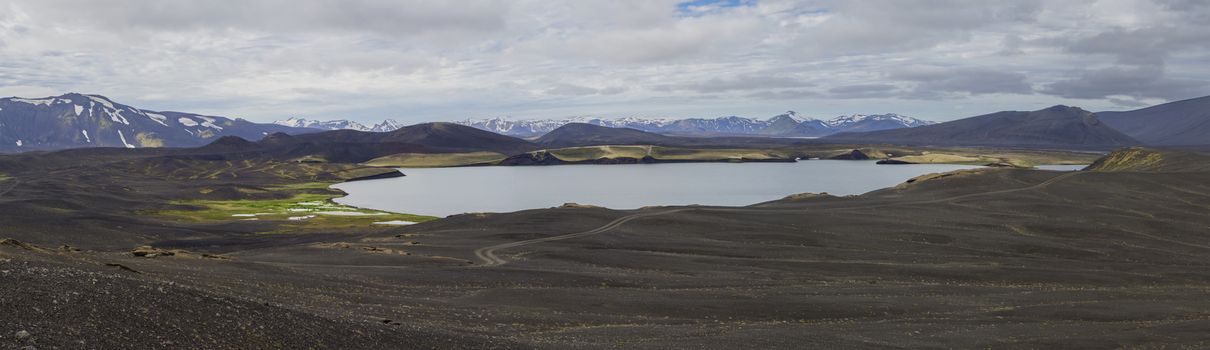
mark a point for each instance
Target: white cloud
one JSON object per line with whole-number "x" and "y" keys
{"x": 432, "y": 60}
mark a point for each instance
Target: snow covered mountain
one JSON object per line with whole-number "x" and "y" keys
{"x": 322, "y": 124}
{"x": 789, "y": 124}
{"x": 77, "y": 120}
{"x": 874, "y": 122}
{"x": 384, "y": 126}
{"x": 387, "y": 125}
{"x": 533, "y": 128}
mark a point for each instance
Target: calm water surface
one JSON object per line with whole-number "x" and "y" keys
{"x": 446, "y": 191}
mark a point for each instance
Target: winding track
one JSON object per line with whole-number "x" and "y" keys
{"x": 489, "y": 257}
{"x": 488, "y": 254}
{"x": 10, "y": 188}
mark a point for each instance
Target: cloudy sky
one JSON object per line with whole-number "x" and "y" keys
{"x": 416, "y": 60}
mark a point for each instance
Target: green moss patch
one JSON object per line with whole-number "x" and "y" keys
{"x": 305, "y": 211}
{"x": 434, "y": 160}
{"x": 148, "y": 139}
{"x": 1023, "y": 159}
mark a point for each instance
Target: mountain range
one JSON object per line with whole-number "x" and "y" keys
{"x": 1061, "y": 127}
{"x": 352, "y": 146}
{"x": 1058, "y": 126}
{"x": 384, "y": 126}
{"x": 789, "y": 124}
{"x": 76, "y": 120}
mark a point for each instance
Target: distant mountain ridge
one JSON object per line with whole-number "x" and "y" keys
{"x": 77, "y": 120}
{"x": 789, "y": 124}
{"x": 352, "y": 146}
{"x": 584, "y": 134}
{"x": 1179, "y": 123}
{"x": 1057, "y": 126}
{"x": 384, "y": 126}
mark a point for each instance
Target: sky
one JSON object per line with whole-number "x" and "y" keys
{"x": 416, "y": 60}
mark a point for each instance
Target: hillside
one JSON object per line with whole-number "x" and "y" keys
{"x": 78, "y": 120}
{"x": 1058, "y": 126}
{"x": 1181, "y": 123}
{"x": 581, "y": 134}
{"x": 350, "y": 146}
{"x": 1138, "y": 159}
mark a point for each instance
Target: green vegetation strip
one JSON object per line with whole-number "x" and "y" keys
{"x": 300, "y": 212}
{"x": 1023, "y": 159}
{"x": 663, "y": 153}
{"x": 434, "y": 160}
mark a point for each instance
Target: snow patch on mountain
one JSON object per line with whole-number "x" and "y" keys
{"x": 158, "y": 118}
{"x": 387, "y": 126}
{"x": 36, "y": 101}
{"x": 795, "y": 116}
{"x": 123, "y": 137}
{"x": 857, "y": 118}
{"x": 323, "y": 124}
{"x": 209, "y": 123}
{"x": 102, "y": 100}
{"x": 116, "y": 116}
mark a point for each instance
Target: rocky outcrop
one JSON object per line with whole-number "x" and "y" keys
{"x": 533, "y": 158}
{"x": 153, "y": 252}
{"x": 384, "y": 175}
{"x": 361, "y": 248}
{"x": 8, "y": 242}
{"x": 854, "y": 155}
{"x": 578, "y": 206}
{"x": 1001, "y": 165}
{"x": 806, "y": 196}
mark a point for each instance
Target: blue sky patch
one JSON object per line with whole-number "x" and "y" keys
{"x": 698, "y": 7}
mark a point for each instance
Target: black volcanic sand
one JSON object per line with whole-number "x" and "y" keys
{"x": 993, "y": 258}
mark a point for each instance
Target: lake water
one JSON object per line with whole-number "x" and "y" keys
{"x": 447, "y": 191}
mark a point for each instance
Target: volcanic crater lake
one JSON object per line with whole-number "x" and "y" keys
{"x": 447, "y": 191}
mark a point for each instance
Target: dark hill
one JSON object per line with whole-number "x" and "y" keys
{"x": 350, "y": 146}
{"x": 458, "y": 137}
{"x": 580, "y": 134}
{"x": 445, "y": 136}
{"x": 1181, "y": 123}
{"x": 1058, "y": 126}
